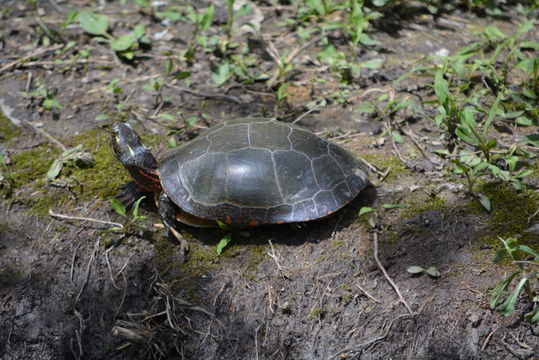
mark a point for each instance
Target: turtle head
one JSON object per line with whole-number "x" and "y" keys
{"x": 137, "y": 158}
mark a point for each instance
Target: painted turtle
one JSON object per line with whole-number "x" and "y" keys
{"x": 244, "y": 172}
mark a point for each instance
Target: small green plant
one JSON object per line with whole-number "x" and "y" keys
{"x": 132, "y": 225}
{"x": 227, "y": 238}
{"x": 44, "y": 97}
{"x": 431, "y": 271}
{"x": 126, "y": 46}
{"x": 526, "y": 260}
{"x": 74, "y": 156}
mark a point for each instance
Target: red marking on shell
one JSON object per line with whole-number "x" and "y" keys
{"x": 279, "y": 222}
{"x": 254, "y": 223}
{"x": 228, "y": 220}
{"x": 330, "y": 212}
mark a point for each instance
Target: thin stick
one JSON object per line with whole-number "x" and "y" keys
{"x": 307, "y": 113}
{"x": 79, "y": 218}
{"x": 368, "y": 295}
{"x": 485, "y": 343}
{"x": 32, "y": 55}
{"x": 88, "y": 269}
{"x": 274, "y": 257}
{"x": 273, "y": 52}
{"x": 395, "y": 287}
{"x": 45, "y": 134}
{"x": 370, "y": 342}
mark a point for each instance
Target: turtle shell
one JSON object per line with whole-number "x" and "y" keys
{"x": 260, "y": 171}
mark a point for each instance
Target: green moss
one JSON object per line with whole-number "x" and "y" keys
{"x": 415, "y": 205}
{"x": 7, "y": 130}
{"x": 106, "y": 175}
{"x": 397, "y": 169}
{"x": 182, "y": 276}
{"x": 509, "y": 214}
{"x": 31, "y": 166}
{"x": 257, "y": 255}
{"x": 201, "y": 260}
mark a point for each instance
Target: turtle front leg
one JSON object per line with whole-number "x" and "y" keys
{"x": 167, "y": 212}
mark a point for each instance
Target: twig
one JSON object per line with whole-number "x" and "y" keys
{"x": 526, "y": 262}
{"x": 79, "y": 218}
{"x": 370, "y": 342}
{"x": 88, "y": 268}
{"x": 45, "y": 134}
{"x": 307, "y": 112}
{"x": 289, "y": 58}
{"x": 65, "y": 62}
{"x": 368, "y": 295}
{"x": 32, "y": 55}
{"x": 110, "y": 269}
{"x": 206, "y": 95}
{"x": 485, "y": 343}
{"x": 395, "y": 287}
{"x": 412, "y": 137}
{"x": 256, "y": 342}
{"x": 274, "y": 257}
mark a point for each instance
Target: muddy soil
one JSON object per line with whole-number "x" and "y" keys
{"x": 74, "y": 289}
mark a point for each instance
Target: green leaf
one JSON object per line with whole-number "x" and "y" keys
{"x": 206, "y": 20}
{"x": 118, "y": 206}
{"x": 499, "y": 290}
{"x": 281, "y": 91}
{"x": 373, "y": 64}
{"x": 223, "y": 226}
{"x": 93, "y": 23}
{"x": 365, "y": 210}
{"x": 492, "y": 32}
{"x": 442, "y": 152}
{"x": 441, "y": 87}
{"x": 524, "y": 121}
{"x": 509, "y": 305}
{"x": 525, "y": 27}
{"x": 393, "y": 206}
{"x": 533, "y": 317}
{"x": 491, "y": 144}
{"x": 222, "y": 74}
{"x": 223, "y": 243}
{"x": 528, "y": 250}
{"x": 499, "y": 255}
{"x": 366, "y": 108}
{"x": 415, "y": 269}
{"x": 464, "y": 134}
{"x": 532, "y": 139}
{"x": 136, "y": 208}
{"x": 139, "y": 31}
{"x": 101, "y": 117}
{"x": 180, "y": 75}
{"x": 55, "y": 169}
{"x": 432, "y": 271}
{"x": 51, "y": 102}
{"x": 124, "y": 42}
{"x": 491, "y": 113}
{"x": 397, "y": 137}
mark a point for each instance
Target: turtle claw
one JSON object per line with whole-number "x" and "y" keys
{"x": 184, "y": 244}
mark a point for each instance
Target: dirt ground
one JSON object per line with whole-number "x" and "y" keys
{"x": 72, "y": 289}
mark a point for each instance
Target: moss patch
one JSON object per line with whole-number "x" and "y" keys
{"x": 416, "y": 206}
{"x": 509, "y": 215}
{"x": 31, "y": 166}
{"x": 7, "y": 130}
{"x": 397, "y": 169}
{"x": 106, "y": 175}
{"x": 257, "y": 255}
